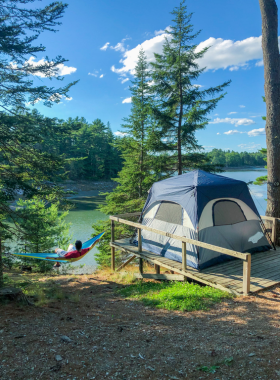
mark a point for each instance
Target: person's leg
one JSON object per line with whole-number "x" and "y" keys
{"x": 60, "y": 253}
{"x": 71, "y": 248}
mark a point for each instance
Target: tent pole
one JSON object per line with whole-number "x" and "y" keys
{"x": 184, "y": 259}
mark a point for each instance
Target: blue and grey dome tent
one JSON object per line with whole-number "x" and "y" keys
{"x": 207, "y": 207}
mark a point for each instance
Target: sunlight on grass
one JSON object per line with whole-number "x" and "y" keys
{"x": 182, "y": 296}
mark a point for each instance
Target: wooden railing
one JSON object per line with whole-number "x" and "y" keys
{"x": 246, "y": 257}
{"x": 274, "y": 227}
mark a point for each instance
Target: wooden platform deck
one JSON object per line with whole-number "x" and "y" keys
{"x": 265, "y": 269}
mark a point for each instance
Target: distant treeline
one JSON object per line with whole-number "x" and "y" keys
{"x": 88, "y": 148}
{"x": 229, "y": 158}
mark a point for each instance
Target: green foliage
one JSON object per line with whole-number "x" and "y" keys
{"x": 229, "y": 158}
{"x": 137, "y": 174}
{"x": 262, "y": 179}
{"x": 88, "y": 149}
{"x": 23, "y": 165}
{"x": 41, "y": 227}
{"x": 182, "y": 296}
{"x": 180, "y": 107}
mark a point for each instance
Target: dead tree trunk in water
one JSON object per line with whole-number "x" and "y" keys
{"x": 271, "y": 58}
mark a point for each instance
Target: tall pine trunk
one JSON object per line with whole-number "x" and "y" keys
{"x": 142, "y": 142}
{"x": 269, "y": 12}
{"x": 180, "y": 166}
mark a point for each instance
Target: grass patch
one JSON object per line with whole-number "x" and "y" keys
{"x": 182, "y": 296}
{"x": 40, "y": 290}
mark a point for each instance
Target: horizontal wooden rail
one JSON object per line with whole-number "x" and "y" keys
{"x": 129, "y": 214}
{"x": 242, "y": 256}
{"x": 269, "y": 217}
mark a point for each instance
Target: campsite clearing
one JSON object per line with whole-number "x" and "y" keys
{"x": 101, "y": 335}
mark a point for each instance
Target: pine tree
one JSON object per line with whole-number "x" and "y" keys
{"x": 137, "y": 174}
{"x": 181, "y": 107}
{"x": 40, "y": 228}
{"x": 24, "y": 166}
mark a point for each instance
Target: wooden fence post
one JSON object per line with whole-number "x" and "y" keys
{"x": 246, "y": 275}
{"x": 112, "y": 248}
{"x": 139, "y": 240}
{"x": 140, "y": 265}
{"x": 184, "y": 259}
{"x": 140, "y": 250}
{"x": 157, "y": 269}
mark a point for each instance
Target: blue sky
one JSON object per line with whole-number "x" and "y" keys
{"x": 232, "y": 28}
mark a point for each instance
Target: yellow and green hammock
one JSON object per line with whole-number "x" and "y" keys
{"x": 54, "y": 256}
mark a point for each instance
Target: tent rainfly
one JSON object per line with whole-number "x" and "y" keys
{"x": 206, "y": 207}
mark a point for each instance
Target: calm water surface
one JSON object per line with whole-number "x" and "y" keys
{"x": 86, "y": 213}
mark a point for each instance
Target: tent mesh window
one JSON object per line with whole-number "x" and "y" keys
{"x": 227, "y": 212}
{"x": 169, "y": 212}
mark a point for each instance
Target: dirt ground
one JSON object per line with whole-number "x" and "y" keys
{"x": 103, "y": 336}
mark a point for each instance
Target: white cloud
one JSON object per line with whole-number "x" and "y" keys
{"x": 208, "y": 148}
{"x": 120, "y": 134}
{"x": 222, "y": 54}
{"x": 230, "y": 54}
{"x": 198, "y": 85}
{"x": 120, "y": 46}
{"x": 252, "y": 133}
{"x": 151, "y": 46}
{"x": 250, "y": 146}
{"x": 234, "y": 68}
{"x": 259, "y": 63}
{"x": 105, "y": 47}
{"x": 127, "y": 100}
{"x": 124, "y": 80}
{"x": 235, "y": 121}
{"x": 55, "y": 97}
{"x": 218, "y": 133}
{"x": 159, "y": 32}
{"x": 96, "y": 73}
{"x": 216, "y": 114}
{"x": 61, "y": 68}
{"x": 256, "y": 132}
{"x": 231, "y": 132}
{"x": 242, "y": 106}
{"x": 231, "y": 113}
{"x": 68, "y": 99}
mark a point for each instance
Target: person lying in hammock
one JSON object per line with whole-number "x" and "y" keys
{"x": 72, "y": 252}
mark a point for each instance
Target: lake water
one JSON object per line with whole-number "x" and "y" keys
{"x": 86, "y": 213}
